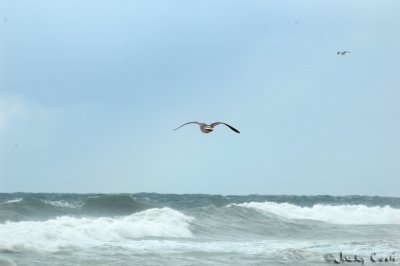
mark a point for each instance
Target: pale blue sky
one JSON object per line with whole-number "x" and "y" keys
{"x": 91, "y": 90}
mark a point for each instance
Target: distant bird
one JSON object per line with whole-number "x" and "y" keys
{"x": 208, "y": 128}
{"x": 343, "y": 52}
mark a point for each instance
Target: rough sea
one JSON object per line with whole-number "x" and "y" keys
{"x": 197, "y": 229}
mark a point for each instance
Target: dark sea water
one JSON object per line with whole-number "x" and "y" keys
{"x": 168, "y": 229}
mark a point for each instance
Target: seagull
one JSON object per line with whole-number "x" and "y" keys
{"x": 343, "y": 52}
{"x": 208, "y": 128}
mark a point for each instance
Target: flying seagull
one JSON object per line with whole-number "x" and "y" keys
{"x": 343, "y": 52}
{"x": 208, "y": 128}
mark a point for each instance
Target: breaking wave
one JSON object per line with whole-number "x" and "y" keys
{"x": 55, "y": 234}
{"x": 11, "y": 201}
{"x": 62, "y": 204}
{"x": 340, "y": 214}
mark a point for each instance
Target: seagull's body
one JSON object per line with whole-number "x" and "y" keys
{"x": 343, "y": 52}
{"x": 205, "y": 128}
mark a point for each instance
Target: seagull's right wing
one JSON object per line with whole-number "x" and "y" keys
{"x": 194, "y": 122}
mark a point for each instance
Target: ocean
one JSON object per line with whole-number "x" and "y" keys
{"x": 197, "y": 229}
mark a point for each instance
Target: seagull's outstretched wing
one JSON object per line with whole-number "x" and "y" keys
{"x": 194, "y": 122}
{"x": 219, "y": 123}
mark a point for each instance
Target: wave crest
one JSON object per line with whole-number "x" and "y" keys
{"x": 340, "y": 214}
{"x": 12, "y": 201}
{"x": 54, "y": 234}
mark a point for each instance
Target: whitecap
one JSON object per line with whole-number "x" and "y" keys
{"x": 62, "y": 204}
{"x": 55, "y": 234}
{"x": 337, "y": 214}
{"x": 12, "y": 201}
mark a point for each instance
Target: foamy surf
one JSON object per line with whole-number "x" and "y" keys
{"x": 340, "y": 214}
{"x": 55, "y": 234}
{"x": 141, "y": 229}
{"x": 62, "y": 204}
{"x": 11, "y": 201}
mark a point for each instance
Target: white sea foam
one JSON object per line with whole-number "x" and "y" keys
{"x": 54, "y": 234}
{"x": 12, "y": 201}
{"x": 62, "y": 203}
{"x": 341, "y": 214}
{"x": 275, "y": 247}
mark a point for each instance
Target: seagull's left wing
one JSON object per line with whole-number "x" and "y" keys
{"x": 219, "y": 123}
